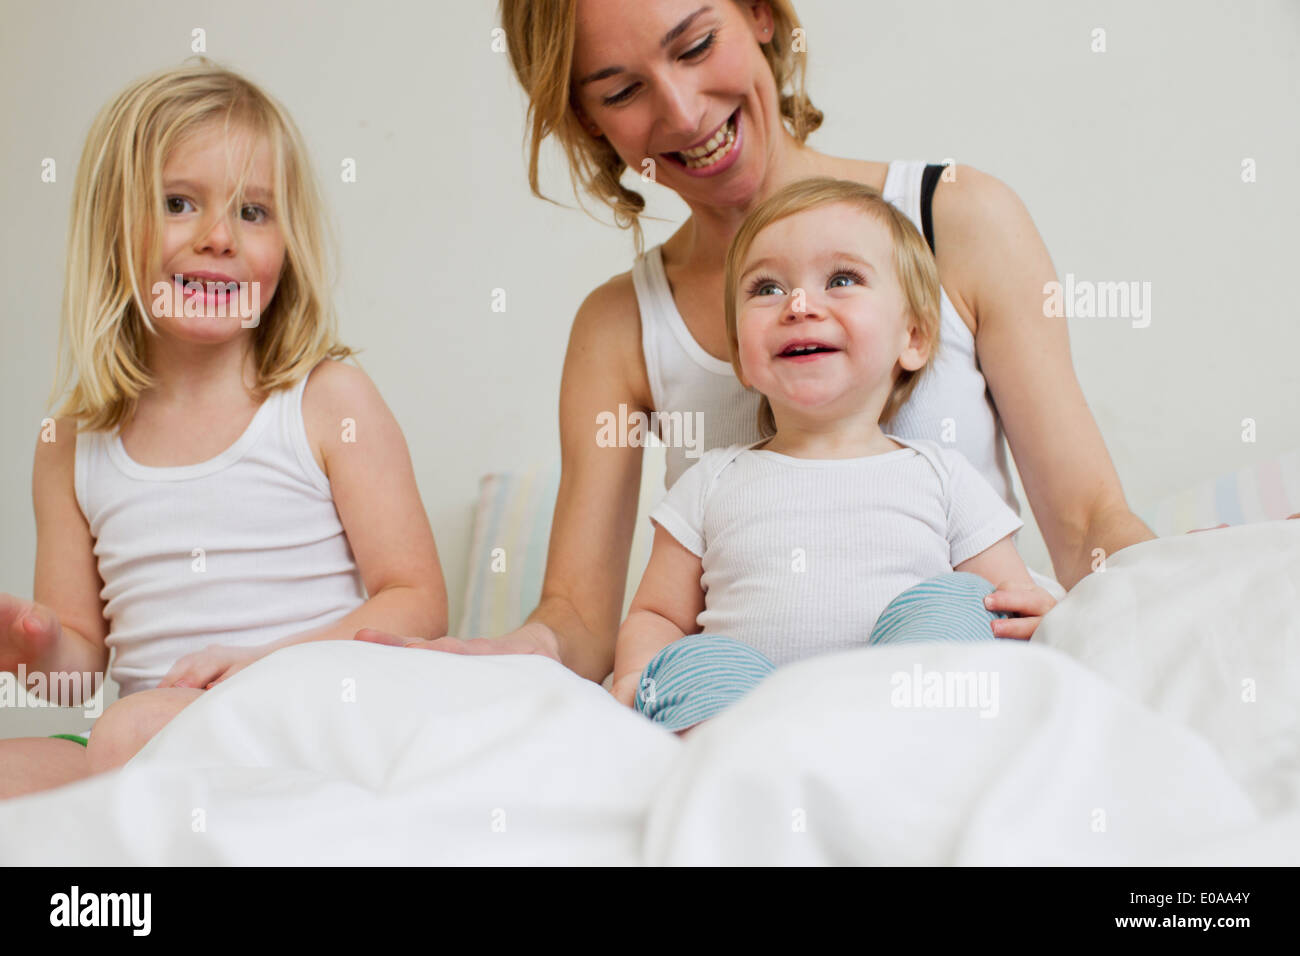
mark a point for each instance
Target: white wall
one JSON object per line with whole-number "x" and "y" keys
{"x": 1129, "y": 161}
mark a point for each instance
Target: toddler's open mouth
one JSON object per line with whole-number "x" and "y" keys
{"x": 805, "y": 351}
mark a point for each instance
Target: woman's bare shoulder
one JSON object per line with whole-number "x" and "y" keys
{"x": 613, "y": 298}
{"x": 865, "y": 171}
{"x": 608, "y": 324}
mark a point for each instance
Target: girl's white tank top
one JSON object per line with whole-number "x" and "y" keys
{"x": 243, "y": 549}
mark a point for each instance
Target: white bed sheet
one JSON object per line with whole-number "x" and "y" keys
{"x": 1154, "y": 719}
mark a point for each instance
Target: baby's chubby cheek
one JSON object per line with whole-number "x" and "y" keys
{"x": 755, "y": 363}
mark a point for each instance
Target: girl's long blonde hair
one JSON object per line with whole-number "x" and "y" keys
{"x": 540, "y": 35}
{"x": 914, "y": 264}
{"x": 114, "y": 242}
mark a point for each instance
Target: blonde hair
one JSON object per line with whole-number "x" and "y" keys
{"x": 540, "y": 36}
{"x": 114, "y": 242}
{"x": 913, "y": 263}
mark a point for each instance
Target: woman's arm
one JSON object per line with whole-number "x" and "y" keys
{"x": 994, "y": 266}
{"x": 665, "y": 608}
{"x": 379, "y": 506}
{"x": 595, "y": 510}
{"x": 577, "y": 618}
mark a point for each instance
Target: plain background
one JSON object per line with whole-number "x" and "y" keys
{"x": 1129, "y": 160}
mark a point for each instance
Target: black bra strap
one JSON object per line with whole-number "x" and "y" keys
{"x": 929, "y": 179}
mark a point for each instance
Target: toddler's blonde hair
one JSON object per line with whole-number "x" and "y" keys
{"x": 913, "y": 263}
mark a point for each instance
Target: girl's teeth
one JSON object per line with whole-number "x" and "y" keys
{"x": 712, "y": 151}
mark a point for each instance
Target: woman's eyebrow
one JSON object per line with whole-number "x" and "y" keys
{"x": 601, "y": 74}
{"x": 682, "y": 27}
{"x": 669, "y": 37}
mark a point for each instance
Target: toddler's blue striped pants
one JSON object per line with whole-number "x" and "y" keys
{"x": 701, "y": 675}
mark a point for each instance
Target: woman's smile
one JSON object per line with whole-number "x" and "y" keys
{"x": 716, "y": 154}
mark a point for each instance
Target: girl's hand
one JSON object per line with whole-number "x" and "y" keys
{"x": 1028, "y": 603}
{"x": 529, "y": 639}
{"x": 206, "y": 668}
{"x": 28, "y": 632}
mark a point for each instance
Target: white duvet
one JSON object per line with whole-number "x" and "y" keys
{"x": 1154, "y": 719}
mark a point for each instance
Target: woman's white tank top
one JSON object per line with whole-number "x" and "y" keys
{"x": 951, "y": 405}
{"x": 243, "y": 549}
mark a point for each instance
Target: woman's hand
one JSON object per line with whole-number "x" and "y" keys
{"x": 1030, "y": 604}
{"x": 205, "y": 669}
{"x": 1218, "y": 526}
{"x": 532, "y": 638}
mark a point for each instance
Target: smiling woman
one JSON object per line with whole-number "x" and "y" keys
{"x": 545, "y": 38}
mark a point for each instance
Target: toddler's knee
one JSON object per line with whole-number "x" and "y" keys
{"x": 698, "y": 677}
{"x": 945, "y": 607}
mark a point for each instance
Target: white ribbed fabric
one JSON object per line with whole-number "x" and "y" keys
{"x": 685, "y": 378}
{"x": 801, "y": 555}
{"x": 274, "y": 554}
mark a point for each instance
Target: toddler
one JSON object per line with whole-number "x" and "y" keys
{"x": 829, "y": 533}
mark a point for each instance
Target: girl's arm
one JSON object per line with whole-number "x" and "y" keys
{"x": 994, "y": 266}
{"x": 1002, "y": 566}
{"x": 665, "y": 608}
{"x": 378, "y": 501}
{"x": 61, "y": 631}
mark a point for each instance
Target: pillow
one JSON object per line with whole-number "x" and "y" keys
{"x": 1268, "y": 491}
{"x": 511, "y": 532}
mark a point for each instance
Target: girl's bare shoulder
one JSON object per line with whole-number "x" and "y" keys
{"x": 56, "y": 449}
{"x": 338, "y": 391}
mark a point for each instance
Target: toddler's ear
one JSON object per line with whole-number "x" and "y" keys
{"x": 917, "y": 352}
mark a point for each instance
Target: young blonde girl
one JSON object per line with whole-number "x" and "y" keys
{"x": 218, "y": 483}
{"x": 829, "y": 533}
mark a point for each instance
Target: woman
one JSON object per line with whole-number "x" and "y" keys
{"x": 707, "y": 95}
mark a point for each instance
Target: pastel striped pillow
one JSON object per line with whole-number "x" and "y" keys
{"x": 512, "y": 529}
{"x": 1268, "y": 491}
